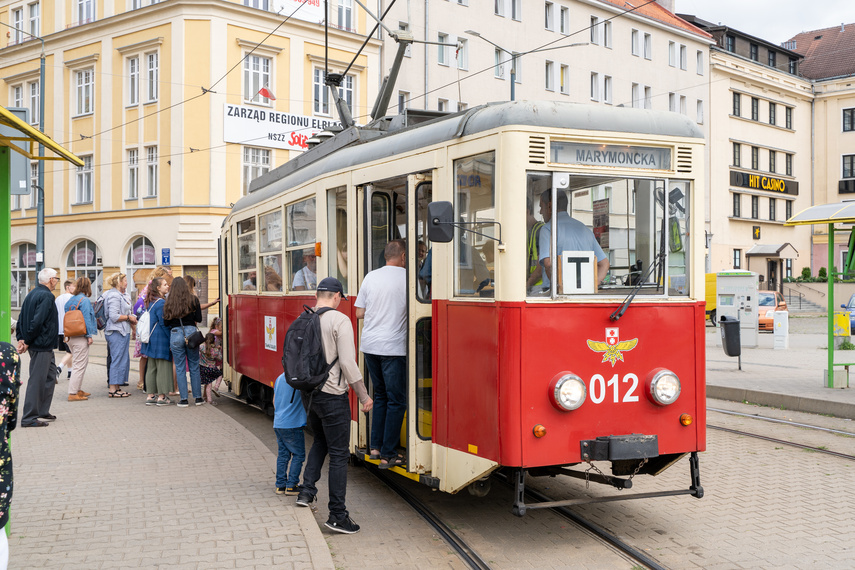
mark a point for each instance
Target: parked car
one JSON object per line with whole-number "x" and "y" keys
{"x": 850, "y": 306}
{"x": 768, "y": 303}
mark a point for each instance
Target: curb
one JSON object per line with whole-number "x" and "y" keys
{"x": 784, "y": 401}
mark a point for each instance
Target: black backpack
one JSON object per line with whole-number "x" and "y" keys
{"x": 303, "y": 359}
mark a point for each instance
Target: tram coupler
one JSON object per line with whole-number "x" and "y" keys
{"x": 695, "y": 473}
{"x": 615, "y": 482}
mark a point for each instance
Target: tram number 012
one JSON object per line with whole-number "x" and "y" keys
{"x": 599, "y": 388}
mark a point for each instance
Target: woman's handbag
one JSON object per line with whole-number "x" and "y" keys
{"x": 74, "y": 323}
{"x": 195, "y": 339}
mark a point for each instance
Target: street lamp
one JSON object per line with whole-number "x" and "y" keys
{"x": 513, "y": 58}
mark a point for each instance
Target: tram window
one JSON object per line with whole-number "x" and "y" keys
{"x": 474, "y": 206}
{"x": 424, "y": 196}
{"x": 424, "y": 379}
{"x": 337, "y": 226}
{"x": 379, "y": 229}
{"x": 246, "y": 254}
{"x": 678, "y": 237}
{"x": 270, "y": 248}
{"x": 300, "y": 252}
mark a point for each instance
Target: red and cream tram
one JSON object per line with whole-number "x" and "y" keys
{"x": 506, "y": 371}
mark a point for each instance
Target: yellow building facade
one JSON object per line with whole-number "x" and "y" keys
{"x": 174, "y": 106}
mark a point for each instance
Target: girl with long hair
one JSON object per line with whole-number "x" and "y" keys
{"x": 120, "y": 318}
{"x": 161, "y": 271}
{"x": 180, "y": 314}
{"x": 158, "y": 375}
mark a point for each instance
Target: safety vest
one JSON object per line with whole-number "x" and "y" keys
{"x": 533, "y": 257}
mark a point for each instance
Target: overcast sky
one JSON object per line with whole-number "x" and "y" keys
{"x": 772, "y": 20}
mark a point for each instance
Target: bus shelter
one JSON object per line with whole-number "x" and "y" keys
{"x": 830, "y": 214}
{"x": 22, "y": 140}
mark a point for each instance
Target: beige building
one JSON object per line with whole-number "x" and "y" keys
{"x": 162, "y": 102}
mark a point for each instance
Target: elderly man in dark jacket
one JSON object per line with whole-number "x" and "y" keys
{"x": 36, "y": 333}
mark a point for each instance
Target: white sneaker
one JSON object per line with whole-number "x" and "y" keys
{"x": 58, "y": 370}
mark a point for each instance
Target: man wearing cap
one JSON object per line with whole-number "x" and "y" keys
{"x": 382, "y": 301}
{"x": 329, "y": 415}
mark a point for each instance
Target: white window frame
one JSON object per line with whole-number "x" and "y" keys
{"x": 347, "y": 90}
{"x": 35, "y": 94}
{"x": 549, "y": 76}
{"x": 607, "y": 89}
{"x": 85, "y": 11}
{"x": 516, "y": 65}
{"x": 637, "y": 101}
{"x": 564, "y": 20}
{"x": 84, "y": 86}
{"x": 499, "y": 8}
{"x": 648, "y": 47}
{"x": 403, "y": 100}
{"x": 672, "y": 102}
{"x": 152, "y": 72}
{"x": 257, "y": 4}
{"x": 607, "y": 34}
{"x": 256, "y": 162}
{"x": 133, "y": 173}
{"x": 595, "y": 86}
{"x": 683, "y": 105}
{"x": 498, "y": 67}
{"x": 672, "y": 54}
{"x": 83, "y": 188}
{"x": 700, "y": 62}
{"x": 635, "y": 43}
{"x": 321, "y": 95}
{"x": 17, "y": 25}
{"x": 34, "y": 181}
{"x": 442, "y": 105}
{"x": 516, "y": 10}
{"x": 151, "y": 172}
{"x": 133, "y": 81}
{"x": 346, "y": 15}
{"x": 34, "y": 9}
{"x": 255, "y": 76}
{"x": 442, "y": 51}
{"x": 405, "y": 27}
{"x": 564, "y": 79}
{"x": 462, "y": 55}
{"x": 17, "y": 96}
{"x": 648, "y": 97}
{"x": 549, "y": 16}
{"x": 684, "y": 57}
{"x": 595, "y": 30}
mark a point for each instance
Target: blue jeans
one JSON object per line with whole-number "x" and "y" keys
{"x": 389, "y": 376}
{"x": 182, "y": 355}
{"x": 329, "y": 419}
{"x": 292, "y": 448}
{"x": 120, "y": 360}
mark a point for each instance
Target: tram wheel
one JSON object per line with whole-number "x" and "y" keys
{"x": 479, "y": 488}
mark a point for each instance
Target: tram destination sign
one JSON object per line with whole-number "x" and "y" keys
{"x": 763, "y": 182}
{"x": 265, "y": 127}
{"x": 620, "y": 156}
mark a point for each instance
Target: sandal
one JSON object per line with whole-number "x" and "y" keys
{"x": 150, "y": 401}
{"x": 374, "y": 456}
{"x": 118, "y": 394}
{"x": 396, "y": 461}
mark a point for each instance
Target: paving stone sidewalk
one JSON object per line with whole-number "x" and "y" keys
{"x": 113, "y": 483}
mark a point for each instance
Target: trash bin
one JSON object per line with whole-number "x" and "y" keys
{"x": 730, "y": 337}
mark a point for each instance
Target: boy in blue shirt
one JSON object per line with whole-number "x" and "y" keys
{"x": 288, "y": 422}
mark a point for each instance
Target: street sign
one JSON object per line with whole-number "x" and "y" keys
{"x": 19, "y": 165}
{"x": 164, "y": 256}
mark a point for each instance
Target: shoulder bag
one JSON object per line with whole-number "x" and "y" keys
{"x": 74, "y": 323}
{"x": 195, "y": 339}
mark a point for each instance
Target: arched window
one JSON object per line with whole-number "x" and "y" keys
{"x": 141, "y": 262}
{"x": 23, "y": 272}
{"x": 84, "y": 260}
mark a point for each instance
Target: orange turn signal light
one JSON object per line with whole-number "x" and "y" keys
{"x": 686, "y": 420}
{"x": 318, "y": 249}
{"x": 539, "y": 430}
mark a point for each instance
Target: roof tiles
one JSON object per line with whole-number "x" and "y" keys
{"x": 829, "y": 52}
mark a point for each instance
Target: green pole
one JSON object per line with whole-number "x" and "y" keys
{"x": 5, "y": 245}
{"x": 830, "y": 378}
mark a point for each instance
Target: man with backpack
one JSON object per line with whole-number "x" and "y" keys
{"x": 328, "y": 412}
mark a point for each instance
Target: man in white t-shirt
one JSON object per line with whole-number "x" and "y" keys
{"x": 382, "y": 302}
{"x": 68, "y": 287}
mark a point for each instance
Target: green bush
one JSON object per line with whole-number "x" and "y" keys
{"x": 805, "y": 276}
{"x": 846, "y": 345}
{"x": 822, "y": 275}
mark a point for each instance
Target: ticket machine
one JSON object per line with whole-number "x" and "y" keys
{"x": 736, "y": 299}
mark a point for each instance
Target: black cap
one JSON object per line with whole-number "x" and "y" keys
{"x": 332, "y": 285}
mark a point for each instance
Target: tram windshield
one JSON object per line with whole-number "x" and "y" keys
{"x": 613, "y": 234}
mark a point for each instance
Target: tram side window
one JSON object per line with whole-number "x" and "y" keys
{"x": 300, "y": 220}
{"x": 678, "y": 237}
{"x": 423, "y": 256}
{"x": 246, "y": 255}
{"x": 475, "y": 209}
{"x": 337, "y": 224}
{"x": 270, "y": 250}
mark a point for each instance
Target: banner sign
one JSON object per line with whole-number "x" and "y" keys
{"x": 306, "y": 10}
{"x": 763, "y": 182}
{"x": 255, "y": 126}
{"x": 621, "y": 156}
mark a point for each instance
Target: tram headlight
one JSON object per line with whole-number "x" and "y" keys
{"x": 567, "y": 391}
{"x": 663, "y": 386}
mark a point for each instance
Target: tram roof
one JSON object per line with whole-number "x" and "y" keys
{"x": 548, "y": 114}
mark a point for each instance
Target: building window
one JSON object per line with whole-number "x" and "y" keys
{"x": 672, "y": 54}
{"x": 499, "y": 7}
{"x": 442, "y": 50}
{"x": 346, "y": 90}
{"x": 772, "y": 212}
{"x": 133, "y": 174}
{"x": 737, "y": 259}
{"x": 755, "y": 207}
{"x": 403, "y": 100}
{"x": 755, "y": 109}
{"x": 141, "y": 261}
{"x": 321, "y": 101}
{"x": 258, "y": 4}
{"x": 753, "y": 52}
{"x": 84, "y": 181}
{"x": 565, "y": 79}
{"x": 18, "y": 96}
{"x": 85, "y": 11}
{"x": 35, "y": 102}
{"x": 549, "y": 16}
{"x": 151, "y": 171}
{"x": 84, "y": 260}
{"x": 403, "y": 26}
{"x": 18, "y": 25}
{"x": 737, "y": 154}
{"x": 345, "y": 15}
{"x": 848, "y": 120}
{"x": 636, "y": 96}
{"x": 85, "y": 91}
{"x": 772, "y": 60}
{"x": 564, "y": 21}
{"x": 648, "y": 97}
{"x": 35, "y": 18}
{"x": 789, "y": 164}
{"x": 607, "y": 89}
{"x": 152, "y": 74}
{"x": 771, "y": 161}
{"x": 788, "y": 117}
{"x": 772, "y": 113}
{"x": 788, "y": 267}
{"x": 672, "y": 102}
{"x": 462, "y": 106}
{"x": 699, "y": 112}
{"x": 256, "y": 74}
{"x": 549, "y": 82}
{"x": 755, "y": 158}
{"x": 595, "y": 87}
{"x": 788, "y": 209}
{"x": 648, "y": 46}
{"x": 516, "y": 10}
{"x": 462, "y": 54}
{"x": 442, "y": 105}
{"x": 256, "y": 161}
{"x": 737, "y": 104}
{"x": 23, "y": 272}
{"x": 849, "y": 166}
{"x": 793, "y": 66}
{"x": 498, "y": 69}
{"x": 516, "y": 67}
{"x": 737, "y": 205}
{"x": 699, "y": 62}
{"x": 730, "y": 43}
{"x": 595, "y": 30}
{"x": 34, "y": 182}
{"x": 133, "y": 80}
{"x": 607, "y": 34}
{"x": 636, "y": 43}
{"x": 683, "y": 108}
{"x": 684, "y": 58}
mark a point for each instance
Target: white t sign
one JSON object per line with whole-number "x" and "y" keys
{"x": 577, "y": 273}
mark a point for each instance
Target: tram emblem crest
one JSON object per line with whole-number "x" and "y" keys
{"x": 613, "y": 348}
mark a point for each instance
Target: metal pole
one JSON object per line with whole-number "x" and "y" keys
{"x": 830, "y": 377}
{"x": 40, "y": 206}
{"x": 5, "y": 250}
{"x": 513, "y": 74}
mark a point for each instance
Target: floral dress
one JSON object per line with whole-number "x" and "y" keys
{"x": 210, "y": 363}
{"x": 10, "y": 384}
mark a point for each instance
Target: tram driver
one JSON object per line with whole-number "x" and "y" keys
{"x": 572, "y": 235}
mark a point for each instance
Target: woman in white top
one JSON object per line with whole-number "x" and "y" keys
{"x": 68, "y": 286}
